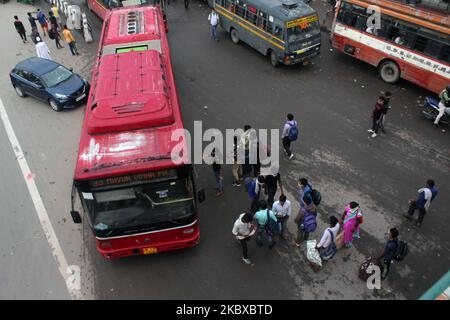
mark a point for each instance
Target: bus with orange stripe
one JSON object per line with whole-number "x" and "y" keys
{"x": 286, "y": 31}
{"x": 412, "y": 43}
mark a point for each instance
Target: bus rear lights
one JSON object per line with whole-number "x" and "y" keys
{"x": 105, "y": 244}
{"x": 188, "y": 231}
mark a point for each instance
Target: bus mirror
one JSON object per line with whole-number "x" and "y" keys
{"x": 201, "y": 195}
{"x": 75, "y": 216}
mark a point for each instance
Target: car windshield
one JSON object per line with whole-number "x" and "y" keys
{"x": 142, "y": 205}
{"x": 302, "y": 31}
{"x": 56, "y": 76}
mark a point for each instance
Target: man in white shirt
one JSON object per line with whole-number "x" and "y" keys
{"x": 326, "y": 245}
{"x": 243, "y": 229}
{"x": 42, "y": 50}
{"x": 282, "y": 210}
{"x": 213, "y": 19}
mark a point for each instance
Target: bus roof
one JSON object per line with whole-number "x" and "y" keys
{"x": 284, "y": 10}
{"x": 441, "y": 19}
{"x": 132, "y": 108}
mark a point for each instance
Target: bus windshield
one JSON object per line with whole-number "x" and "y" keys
{"x": 302, "y": 31}
{"x": 148, "y": 204}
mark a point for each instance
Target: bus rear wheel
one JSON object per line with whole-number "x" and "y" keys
{"x": 389, "y": 72}
{"x": 234, "y": 36}
{"x": 274, "y": 59}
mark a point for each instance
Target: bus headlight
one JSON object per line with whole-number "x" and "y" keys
{"x": 188, "y": 231}
{"x": 105, "y": 244}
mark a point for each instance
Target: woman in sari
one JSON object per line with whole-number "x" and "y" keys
{"x": 352, "y": 218}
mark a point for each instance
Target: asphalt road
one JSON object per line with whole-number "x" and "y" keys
{"x": 331, "y": 99}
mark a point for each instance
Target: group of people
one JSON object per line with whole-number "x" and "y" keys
{"x": 54, "y": 32}
{"x": 267, "y": 218}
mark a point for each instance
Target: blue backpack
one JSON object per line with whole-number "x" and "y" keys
{"x": 293, "y": 131}
{"x": 310, "y": 223}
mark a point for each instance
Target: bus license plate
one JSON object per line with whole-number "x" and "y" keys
{"x": 149, "y": 250}
{"x": 81, "y": 97}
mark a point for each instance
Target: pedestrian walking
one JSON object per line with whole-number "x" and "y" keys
{"x": 389, "y": 253}
{"x": 376, "y": 116}
{"x": 55, "y": 11}
{"x": 326, "y": 246}
{"x": 385, "y": 109}
{"x": 262, "y": 218}
{"x": 290, "y": 134}
{"x": 217, "y": 169}
{"x": 54, "y": 32}
{"x": 244, "y": 229}
{"x": 352, "y": 218}
{"x": 237, "y": 167}
{"x": 42, "y": 21}
{"x": 68, "y": 36}
{"x": 444, "y": 104}
{"x": 34, "y": 35}
{"x": 282, "y": 210}
{"x": 255, "y": 191}
{"x": 272, "y": 181}
{"x": 20, "y": 29}
{"x": 32, "y": 20}
{"x": 213, "y": 19}
{"x": 245, "y": 144}
{"x": 42, "y": 50}
{"x": 422, "y": 203}
{"x": 305, "y": 220}
{"x": 304, "y": 190}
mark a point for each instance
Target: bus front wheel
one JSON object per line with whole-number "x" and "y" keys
{"x": 274, "y": 59}
{"x": 389, "y": 71}
{"x": 234, "y": 36}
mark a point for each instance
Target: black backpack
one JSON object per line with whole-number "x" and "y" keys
{"x": 402, "y": 251}
{"x": 316, "y": 196}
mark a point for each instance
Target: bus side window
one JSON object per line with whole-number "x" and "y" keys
{"x": 239, "y": 10}
{"x": 278, "y": 31}
{"x": 445, "y": 54}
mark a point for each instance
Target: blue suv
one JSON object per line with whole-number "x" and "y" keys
{"x": 49, "y": 81}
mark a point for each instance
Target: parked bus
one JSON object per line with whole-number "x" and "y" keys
{"x": 412, "y": 43}
{"x": 101, "y": 7}
{"x": 136, "y": 197}
{"x": 287, "y": 31}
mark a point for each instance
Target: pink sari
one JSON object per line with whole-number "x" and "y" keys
{"x": 351, "y": 227}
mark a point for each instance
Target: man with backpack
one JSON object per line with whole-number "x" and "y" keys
{"x": 272, "y": 181}
{"x": 305, "y": 189}
{"x": 290, "y": 134}
{"x": 422, "y": 203}
{"x": 267, "y": 223}
{"x": 326, "y": 246}
{"x": 390, "y": 252}
{"x": 255, "y": 188}
{"x": 306, "y": 220}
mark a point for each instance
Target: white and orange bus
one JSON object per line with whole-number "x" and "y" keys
{"x": 412, "y": 43}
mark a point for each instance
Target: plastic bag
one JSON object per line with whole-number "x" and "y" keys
{"x": 312, "y": 254}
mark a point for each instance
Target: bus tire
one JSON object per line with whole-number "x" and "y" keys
{"x": 389, "y": 71}
{"x": 273, "y": 58}
{"x": 234, "y": 36}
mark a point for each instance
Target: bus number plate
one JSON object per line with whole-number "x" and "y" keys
{"x": 149, "y": 250}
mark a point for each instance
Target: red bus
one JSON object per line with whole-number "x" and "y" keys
{"x": 101, "y": 7}
{"x": 411, "y": 42}
{"x": 136, "y": 198}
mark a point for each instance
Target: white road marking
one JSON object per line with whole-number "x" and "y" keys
{"x": 44, "y": 219}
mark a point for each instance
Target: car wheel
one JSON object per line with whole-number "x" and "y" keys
{"x": 389, "y": 72}
{"x": 54, "y": 105}
{"x": 234, "y": 36}
{"x": 274, "y": 59}
{"x": 20, "y": 92}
